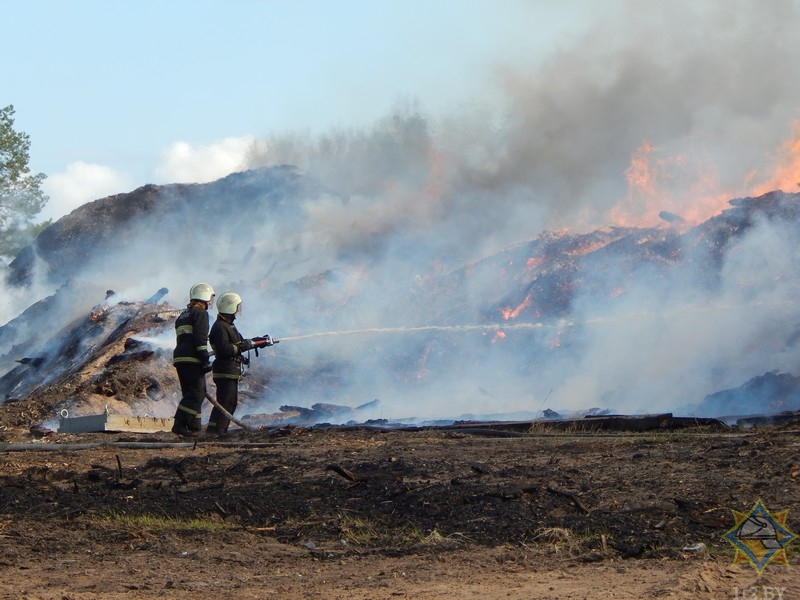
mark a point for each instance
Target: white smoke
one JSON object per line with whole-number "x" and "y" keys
{"x": 416, "y": 194}
{"x": 411, "y": 201}
{"x": 185, "y": 163}
{"x": 668, "y": 343}
{"x": 81, "y": 183}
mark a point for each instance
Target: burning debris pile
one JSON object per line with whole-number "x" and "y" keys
{"x": 614, "y": 317}
{"x": 117, "y": 360}
{"x": 96, "y": 363}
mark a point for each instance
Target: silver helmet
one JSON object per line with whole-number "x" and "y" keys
{"x": 201, "y": 291}
{"x": 229, "y": 303}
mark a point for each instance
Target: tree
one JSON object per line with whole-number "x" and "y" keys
{"x": 21, "y": 196}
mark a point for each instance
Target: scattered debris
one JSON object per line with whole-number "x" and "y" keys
{"x": 783, "y": 418}
{"x": 573, "y": 499}
{"x": 319, "y": 412}
{"x": 364, "y": 476}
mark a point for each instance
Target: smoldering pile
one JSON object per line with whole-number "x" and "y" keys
{"x": 491, "y": 339}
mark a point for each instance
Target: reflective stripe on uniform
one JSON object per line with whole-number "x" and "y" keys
{"x": 185, "y": 359}
{"x": 236, "y": 376}
{"x": 186, "y": 409}
{"x": 184, "y": 329}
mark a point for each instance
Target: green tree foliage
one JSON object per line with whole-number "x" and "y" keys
{"x": 21, "y": 196}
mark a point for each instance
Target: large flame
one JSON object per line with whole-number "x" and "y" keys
{"x": 685, "y": 184}
{"x": 786, "y": 173}
{"x": 682, "y": 184}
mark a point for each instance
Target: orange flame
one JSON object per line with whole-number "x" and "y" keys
{"x": 639, "y": 174}
{"x": 683, "y": 184}
{"x": 687, "y": 186}
{"x": 498, "y": 335}
{"x": 97, "y": 313}
{"x": 508, "y": 313}
{"x": 533, "y": 262}
{"x": 786, "y": 174}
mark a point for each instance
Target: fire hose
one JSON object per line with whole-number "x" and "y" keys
{"x": 269, "y": 342}
{"x": 244, "y": 426}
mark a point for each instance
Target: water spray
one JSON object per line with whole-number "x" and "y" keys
{"x": 559, "y": 324}
{"x": 488, "y": 327}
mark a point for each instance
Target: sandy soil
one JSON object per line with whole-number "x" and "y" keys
{"x": 361, "y": 513}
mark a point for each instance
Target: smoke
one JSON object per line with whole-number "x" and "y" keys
{"x": 80, "y": 183}
{"x": 184, "y": 163}
{"x": 697, "y": 95}
{"x": 672, "y": 340}
{"x": 654, "y": 108}
{"x": 424, "y": 221}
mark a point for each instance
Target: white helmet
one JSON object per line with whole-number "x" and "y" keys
{"x": 229, "y": 303}
{"x": 201, "y": 291}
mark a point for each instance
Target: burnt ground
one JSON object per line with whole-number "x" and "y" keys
{"x": 369, "y": 513}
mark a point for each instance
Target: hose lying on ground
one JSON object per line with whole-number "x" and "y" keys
{"x": 244, "y": 426}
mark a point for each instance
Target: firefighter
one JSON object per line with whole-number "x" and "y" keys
{"x": 228, "y": 345}
{"x": 191, "y": 359}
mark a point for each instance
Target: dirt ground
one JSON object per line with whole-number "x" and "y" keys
{"x": 368, "y": 514}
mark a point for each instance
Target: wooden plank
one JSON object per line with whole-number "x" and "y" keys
{"x": 137, "y": 424}
{"x": 109, "y": 422}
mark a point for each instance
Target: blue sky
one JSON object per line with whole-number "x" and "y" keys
{"x": 111, "y": 92}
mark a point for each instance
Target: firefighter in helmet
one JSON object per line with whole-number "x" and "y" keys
{"x": 191, "y": 358}
{"x": 229, "y": 345}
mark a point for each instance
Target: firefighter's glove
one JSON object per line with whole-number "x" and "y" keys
{"x": 261, "y": 342}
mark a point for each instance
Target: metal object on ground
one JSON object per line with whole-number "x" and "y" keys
{"x": 109, "y": 422}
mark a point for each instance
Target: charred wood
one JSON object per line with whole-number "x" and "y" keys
{"x": 140, "y": 356}
{"x": 573, "y": 499}
{"x": 784, "y": 418}
{"x": 346, "y": 473}
{"x": 155, "y": 298}
{"x": 364, "y": 476}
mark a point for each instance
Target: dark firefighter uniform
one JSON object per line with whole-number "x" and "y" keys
{"x": 228, "y": 345}
{"x": 191, "y": 360}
